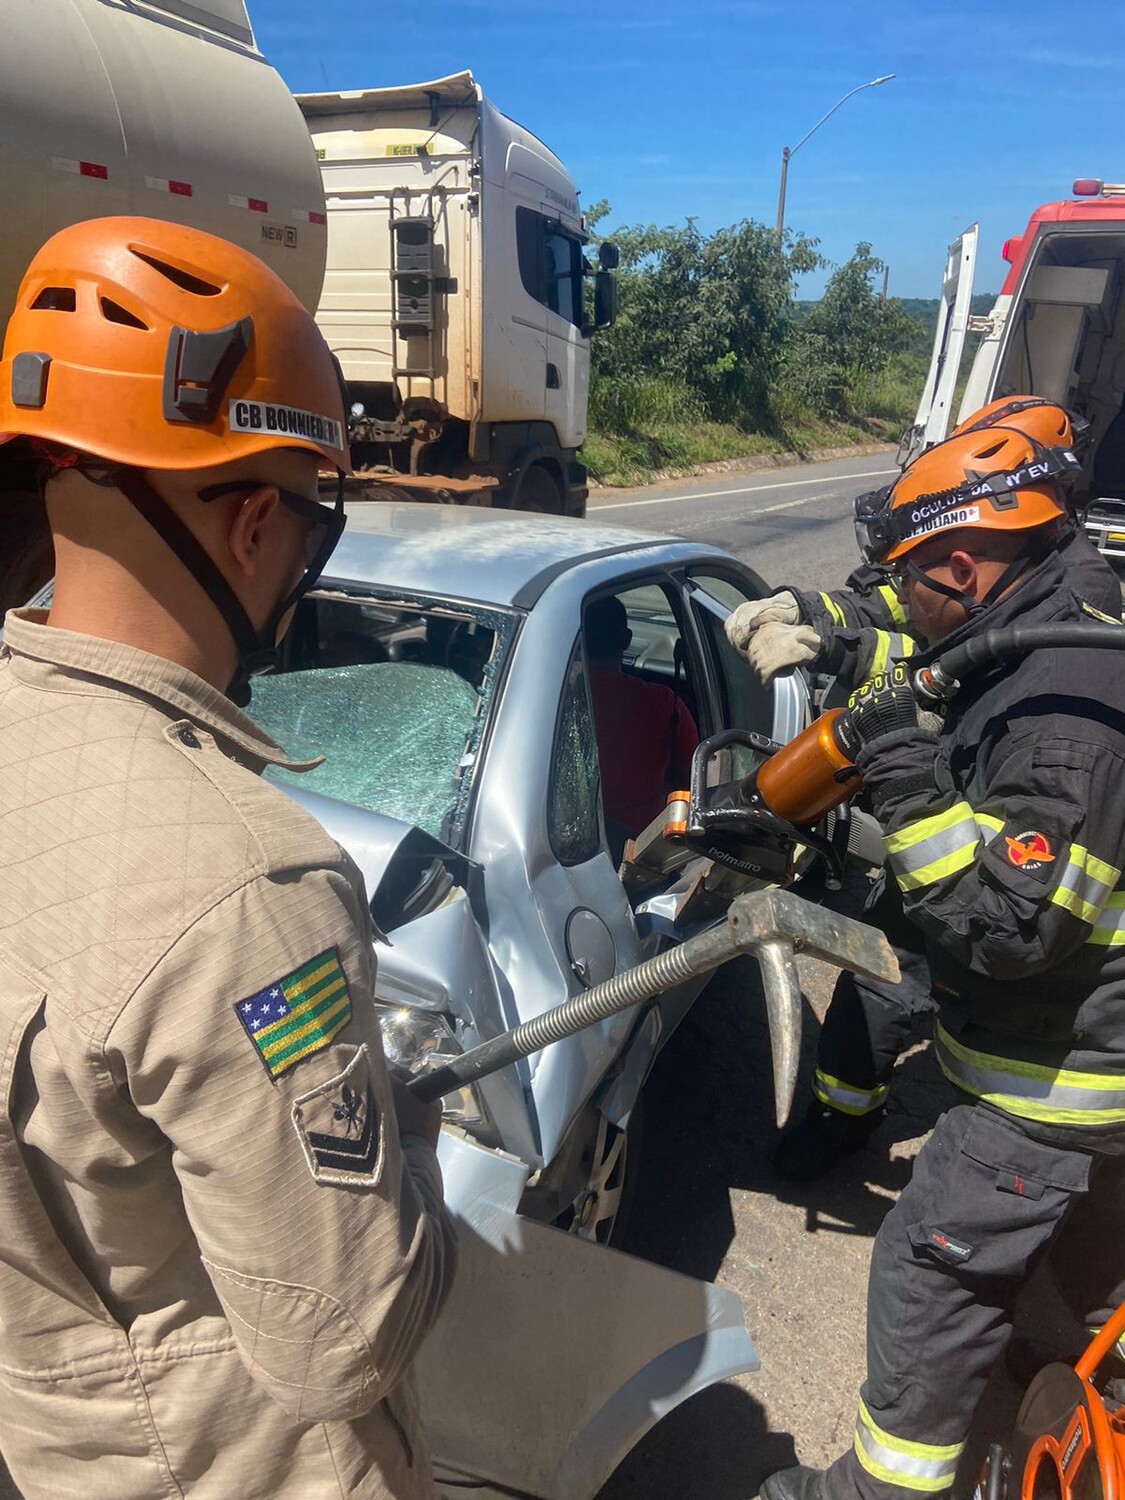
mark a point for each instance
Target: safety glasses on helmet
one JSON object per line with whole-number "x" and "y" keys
{"x": 880, "y": 525}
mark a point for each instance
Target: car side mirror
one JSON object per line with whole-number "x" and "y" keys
{"x": 609, "y": 256}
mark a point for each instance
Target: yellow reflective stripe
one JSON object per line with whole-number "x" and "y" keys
{"x": 938, "y": 869}
{"x": 1059, "y": 1096}
{"x": 1097, "y": 614}
{"x": 890, "y": 598}
{"x": 847, "y": 1097}
{"x": 835, "y": 613}
{"x": 882, "y": 655}
{"x": 1085, "y": 885}
{"x": 933, "y": 848}
{"x": 888, "y": 644}
{"x": 924, "y": 828}
{"x": 925, "y": 1467}
{"x": 1109, "y": 928}
{"x": 1097, "y": 868}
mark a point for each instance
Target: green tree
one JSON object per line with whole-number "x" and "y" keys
{"x": 851, "y": 334}
{"x": 705, "y": 317}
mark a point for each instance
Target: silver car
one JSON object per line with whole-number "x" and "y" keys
{"x": 441, "y": 669}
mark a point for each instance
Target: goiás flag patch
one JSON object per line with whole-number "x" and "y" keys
{"x": 298, "y": 1014}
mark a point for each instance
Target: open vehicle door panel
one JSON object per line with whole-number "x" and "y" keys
{"x": 934, "y": 409}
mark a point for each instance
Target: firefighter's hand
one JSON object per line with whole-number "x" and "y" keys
{"x": 415, "y": 1116}
{"x": 781, "y": 608}
{"x": 885, "y": 704}
{"x": 777, "y": 648}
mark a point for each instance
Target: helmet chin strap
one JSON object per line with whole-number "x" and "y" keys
{"x": 974, "y": 607}
{"x": 257, "y": 649}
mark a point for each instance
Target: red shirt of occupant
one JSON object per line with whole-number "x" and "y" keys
{"x": 646, "y": 734}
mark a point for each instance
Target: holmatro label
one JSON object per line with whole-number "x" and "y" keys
{"x": 261, "y": 416}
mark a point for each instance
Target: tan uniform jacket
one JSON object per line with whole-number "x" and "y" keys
{"x": 217, "y": 1259}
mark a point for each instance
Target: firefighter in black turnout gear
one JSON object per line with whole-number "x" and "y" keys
{"x": 1005, "y": 835}
{"x": 869, "y": 1024}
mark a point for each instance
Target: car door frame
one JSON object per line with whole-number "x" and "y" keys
{"x": 792, "y": 701}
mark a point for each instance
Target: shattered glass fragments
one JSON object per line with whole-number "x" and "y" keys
{"x": 393, "y": 735}
{"x": 572, "y": 806}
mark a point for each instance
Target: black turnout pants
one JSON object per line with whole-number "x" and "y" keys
{"x": 985, "y": 1204}
{"x": 868, "y": 1023}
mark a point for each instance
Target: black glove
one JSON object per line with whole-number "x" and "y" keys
{"x": 883, "y": 705}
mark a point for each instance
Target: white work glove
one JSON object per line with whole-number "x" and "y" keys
{"x": 776, "y": 648}
{"x": 741, "y": 624}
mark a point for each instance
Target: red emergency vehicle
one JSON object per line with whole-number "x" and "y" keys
{"x": 1057, "y": 329}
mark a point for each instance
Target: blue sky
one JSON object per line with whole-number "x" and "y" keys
{"x": 673, "y": 108}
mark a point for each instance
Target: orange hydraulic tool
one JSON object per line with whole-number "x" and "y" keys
{"x": 813, "y": 773}
{"x": 753, "y": 802}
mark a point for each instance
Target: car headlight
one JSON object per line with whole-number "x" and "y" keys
{"x": 420, "y": 1041}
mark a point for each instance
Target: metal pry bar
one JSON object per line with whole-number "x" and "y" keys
{"x": 772, "y": 925}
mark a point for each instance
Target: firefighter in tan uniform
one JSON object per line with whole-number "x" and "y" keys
{"x": 222, "y": 1237}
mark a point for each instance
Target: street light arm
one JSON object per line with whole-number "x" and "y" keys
{"x": 871, "y": 84}
{"x": 787, "y": 151}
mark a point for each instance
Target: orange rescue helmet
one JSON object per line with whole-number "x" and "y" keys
{"x": 989, "y": 479}
{"x": 159, "y": 346}
{"x": 1045, "y": 422}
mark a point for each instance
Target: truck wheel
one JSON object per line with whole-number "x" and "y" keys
{"x": 538, "y": 491}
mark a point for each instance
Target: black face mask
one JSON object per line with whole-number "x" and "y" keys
{"x": 257, "y": 649}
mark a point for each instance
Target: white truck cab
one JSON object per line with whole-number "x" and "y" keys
{"x": 1057, "y": 329}
{"x": 454, "y": 295}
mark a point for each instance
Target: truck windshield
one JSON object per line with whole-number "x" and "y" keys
{"x": 395, "y": 695}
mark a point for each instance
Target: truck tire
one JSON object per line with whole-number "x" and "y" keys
{"x": 539, "y": 491}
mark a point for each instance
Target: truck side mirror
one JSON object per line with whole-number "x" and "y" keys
{"x": 605, "y": 299}
{"x": 609, "y": 256}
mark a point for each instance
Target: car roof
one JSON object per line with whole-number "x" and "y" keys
{"x": 469, "y": 552}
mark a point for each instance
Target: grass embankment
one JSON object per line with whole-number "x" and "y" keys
{"x": 654, "y": 430}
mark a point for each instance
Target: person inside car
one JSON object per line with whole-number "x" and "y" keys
{"x": 646, "y": 734}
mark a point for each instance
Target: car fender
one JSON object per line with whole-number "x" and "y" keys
{"x": 555, "y": 1355}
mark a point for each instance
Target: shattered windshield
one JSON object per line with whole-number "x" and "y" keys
{"x": 395, "y": 694}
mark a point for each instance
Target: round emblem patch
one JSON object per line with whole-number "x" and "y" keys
{"x": 1030, "y": 850}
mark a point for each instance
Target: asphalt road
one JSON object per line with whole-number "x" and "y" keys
{"x": 792, "y": 525}
{"x": 709, "y": 1202}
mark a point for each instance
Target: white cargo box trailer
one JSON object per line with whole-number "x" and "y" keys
{"x": 165, "y": 109}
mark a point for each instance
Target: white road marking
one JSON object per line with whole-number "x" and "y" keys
{"x": 752, "y": 489}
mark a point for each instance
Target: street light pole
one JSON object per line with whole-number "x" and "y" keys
{"x": 788, "y": 151}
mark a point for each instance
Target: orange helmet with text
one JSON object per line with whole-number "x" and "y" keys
{"x": 162, "y": 347}
{"x": 1045, "y": 422}
{"x": 993, "y": 478}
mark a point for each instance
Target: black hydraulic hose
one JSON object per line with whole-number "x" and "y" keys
{"x": 940, "y": 680}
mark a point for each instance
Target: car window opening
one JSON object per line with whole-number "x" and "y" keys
{"x": 643, "y": 706}
{"x": 392, "y": 695}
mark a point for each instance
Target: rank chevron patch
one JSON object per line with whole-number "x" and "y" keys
{"x": 340, "y": 1127}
